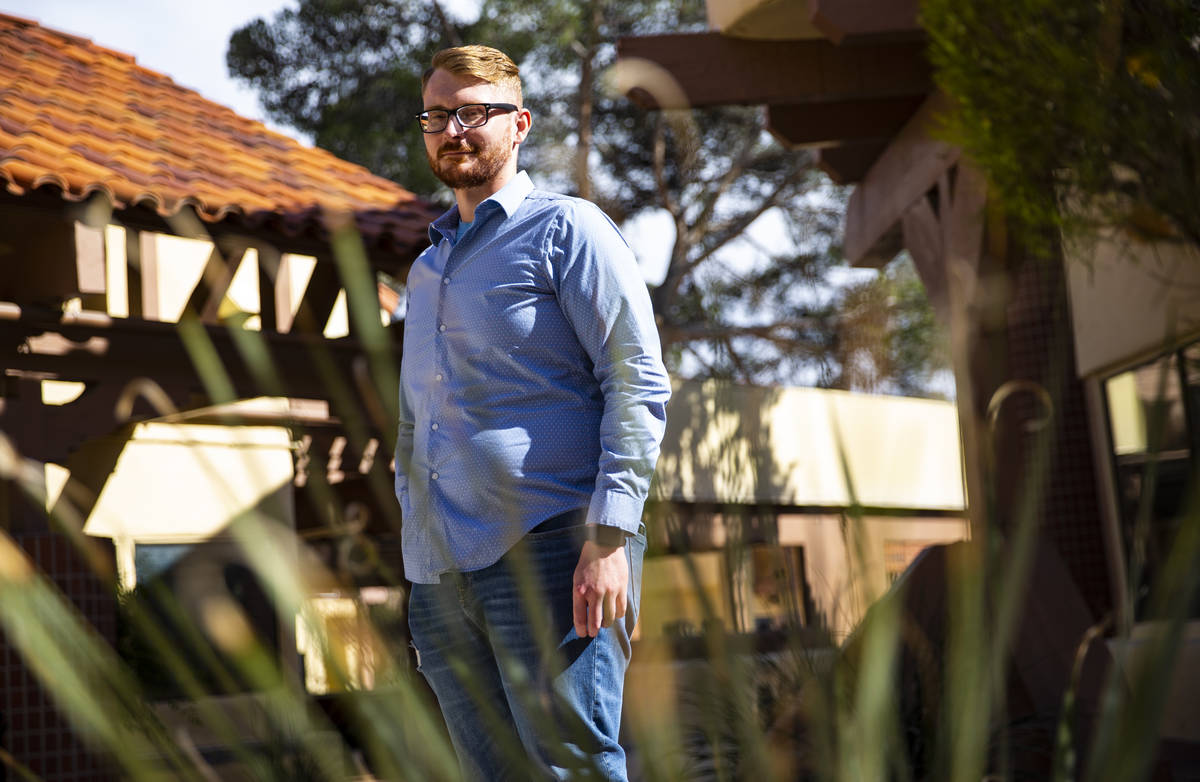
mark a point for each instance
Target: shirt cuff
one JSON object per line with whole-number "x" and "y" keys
{"x": 613, "y": 509}
{"x": 611, "y": 537}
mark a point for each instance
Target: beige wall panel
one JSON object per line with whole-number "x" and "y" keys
{"x": 672, "y": 589}
{"x": 1128, "y": 299}
{"x": 787, "y": 446}
{"x": 116, "y": 271}
{"x": 844, "y": 558}
{"x": 900, "y": 453}
{"x": 185, "y": 482}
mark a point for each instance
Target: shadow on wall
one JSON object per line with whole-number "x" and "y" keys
{"x": 783, "y": 508}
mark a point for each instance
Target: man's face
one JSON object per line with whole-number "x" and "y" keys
{"x": 465, "y": 158}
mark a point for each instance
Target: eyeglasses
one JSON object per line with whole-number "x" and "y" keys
{"x": 470, "y": 115}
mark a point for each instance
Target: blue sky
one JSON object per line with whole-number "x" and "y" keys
{"x": 184, "y": 40}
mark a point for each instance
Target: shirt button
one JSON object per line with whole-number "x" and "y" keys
{"x": 434, "y": 427}
{"x": 442, "y": 327}
{"x": 438, "y": 377}
{"x": 445, "y": 281}
{"x": 434, "y": 476}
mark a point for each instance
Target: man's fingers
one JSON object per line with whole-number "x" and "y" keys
{"x": 599, "y": 592}
{"x": 610, "y": 609}
{"x": 580, "y": 605}
{"x": 595, "y": 613}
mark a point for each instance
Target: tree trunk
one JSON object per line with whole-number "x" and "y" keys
{"x": 587, "y": 78}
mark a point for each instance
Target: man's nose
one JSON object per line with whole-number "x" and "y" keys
{"x": 454, "y": 127}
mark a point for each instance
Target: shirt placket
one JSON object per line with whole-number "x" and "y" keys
{"x": 440, "y": 402}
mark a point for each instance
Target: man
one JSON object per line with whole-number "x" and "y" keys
{"x": 532, "y": 407}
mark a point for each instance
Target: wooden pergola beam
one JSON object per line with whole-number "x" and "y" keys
{"x": 852, "y": 20}
{"x": 709, "y": 69}
{"x": 839, "y": 122}
{"x": 848, "y": 163}
{"x": 97, "y": 348}
{"x": 903, "y": 174}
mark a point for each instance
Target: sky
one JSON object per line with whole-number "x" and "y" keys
{"x": 183, "y": 39}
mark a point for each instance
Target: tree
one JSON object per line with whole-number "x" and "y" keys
{"x": 348, "y": 71}
{"x": 348, "y": 74}
{"x": 1098, "y": 100}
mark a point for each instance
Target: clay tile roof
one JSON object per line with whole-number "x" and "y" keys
{"x": 81, "y": 118}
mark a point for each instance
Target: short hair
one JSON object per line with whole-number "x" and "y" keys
{"x": 482, "y": 62}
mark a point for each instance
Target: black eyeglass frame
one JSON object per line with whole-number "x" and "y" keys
{"x": 423, "y": 117}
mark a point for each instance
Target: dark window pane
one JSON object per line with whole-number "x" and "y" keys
{"x": 1153, "y": 442}
{"x": 164, "y": 627}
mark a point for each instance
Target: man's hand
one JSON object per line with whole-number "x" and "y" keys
{"x": 600, "y": 588}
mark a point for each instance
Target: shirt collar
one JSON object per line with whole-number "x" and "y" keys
{"x": 507, "y": 198}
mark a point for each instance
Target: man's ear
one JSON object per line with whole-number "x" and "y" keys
{"x": 524, "y": 123}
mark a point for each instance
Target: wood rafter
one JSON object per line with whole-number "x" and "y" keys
{"x": 924, "y": 241}
{"x": 847, "y": 163}
{"x": 842, "y": 21}
{"x": 903, "y": 174}
{"x": 710, "y": 69}
{"x": 105, "y": 349}
{"x": 839, "y": 122}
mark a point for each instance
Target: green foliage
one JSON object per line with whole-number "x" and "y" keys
{"x": 348, "y": 73}
{"x": 1081, "y": 113}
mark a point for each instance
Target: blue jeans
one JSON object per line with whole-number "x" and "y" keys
{"x": 524, "y": 697}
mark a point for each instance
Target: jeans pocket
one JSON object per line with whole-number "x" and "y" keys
{"x": 562, "y": 532}
{"x": 635, "y": 550}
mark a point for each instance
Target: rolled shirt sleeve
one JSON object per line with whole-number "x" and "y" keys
{"x": 604, "y": 297}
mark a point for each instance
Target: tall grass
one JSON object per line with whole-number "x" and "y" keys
{"x": 892, "y": 702}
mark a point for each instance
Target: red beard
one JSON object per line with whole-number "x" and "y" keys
{"x": 478, "y": 167}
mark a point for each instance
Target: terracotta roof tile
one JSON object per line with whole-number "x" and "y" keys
{"x": 81, "y": 118}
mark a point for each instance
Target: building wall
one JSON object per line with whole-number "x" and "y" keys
{"x": 1050, "y": 455}
{"x": 1159, "y": 282}
{"x": 745, "y": 460}
{"x": 1135, "y": 308}
{"x": 850, "y": 562}
{"x": 44, "y": 420}
{"x": 809, "y": 447}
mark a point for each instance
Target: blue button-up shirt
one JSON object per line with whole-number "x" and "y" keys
{"x": 531, "y": 382}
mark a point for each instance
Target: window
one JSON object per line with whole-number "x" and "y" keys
{"x": 203, "y": 608}
{"x": 771, "y": 588}
{"x": 741, "y": 589}
{"x": 352, "y": 640}
{"x": 1154, "y": 420}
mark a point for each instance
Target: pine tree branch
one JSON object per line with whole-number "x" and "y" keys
{"x": 719, "y": 332}
{"x": 448, "y": 29}
{"x": 737, "y": 167}
{"x": 660, "y": 164}
{"x": 737, "y": 227}
{"x": 709, "y": 367}
{"x": 735, "y": 358}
